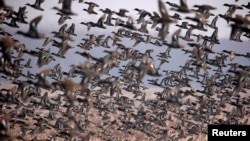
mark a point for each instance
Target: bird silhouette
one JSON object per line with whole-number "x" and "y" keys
{"x": 91, "y": 7}
{"x": 36, "y": 5}
{"x": 165, "y": 19}
{"x": 66, "y": 8}
{"x": 33, "y": 30}
{"x": 175, "y": 40}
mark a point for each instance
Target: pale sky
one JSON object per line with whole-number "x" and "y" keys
{"x": 49, "y": 23}
{"x": 149, "y": 5}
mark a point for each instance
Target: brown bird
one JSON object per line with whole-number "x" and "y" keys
{"x": 66, "y": 8}
{"x": 143, "y": 27}
{"x": 5, "y": 134}
{"x": 231, "y": 10}
{"x": 47, "y": 41}
{"x": 165, "y": 19}
{"x": 183, "y": 7}
{"x": 71, "y": 30}
{"x": 98, "y": 24}
{"x": 25, "y": 87}
{"x": 3, "y": 5}
{"x": 91, "y": 7}
{"x": 175, "y": 40}
{"x": 63, "y": 18}
{"x": 232, "y": 56}
{"x": 42, "y": 79}
{"x": 69, "y": 87}
{"x": 63, "y": 48}
{"x": 122, "y": 12}
{"x": 7, "y": 47}
{"x": 44, "y": 58}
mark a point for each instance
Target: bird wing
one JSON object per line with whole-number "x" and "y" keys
{"x": 162, "y": 8}
{"x": 66, "y": 5}
{"x": 33, "y": 25}
{"x": 183, "y": 3}
{"x": 175, "y": 36}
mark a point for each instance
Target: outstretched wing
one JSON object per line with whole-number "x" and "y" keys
{"x": 162, "y": 8}
{"x": 66, "y": 5}
{"x": 33, "y": 26}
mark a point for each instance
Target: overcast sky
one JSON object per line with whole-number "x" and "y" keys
{"x": 149, "y": 5}
{"x": 49, "y": 23}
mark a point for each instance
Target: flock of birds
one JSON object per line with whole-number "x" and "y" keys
{"x": 106, "y": 107}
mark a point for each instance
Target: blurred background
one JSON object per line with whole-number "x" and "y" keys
{"x": 178, "y": 58}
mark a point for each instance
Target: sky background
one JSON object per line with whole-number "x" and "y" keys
{"x": 50, "y": 18}
{"x": 149, "y": 5}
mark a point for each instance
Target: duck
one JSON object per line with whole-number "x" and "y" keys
{"x": 109, "y": 19}
{"x": 204, "y": 8}
{"x": 138, "y": 40}
{"x": 143, "y": 13}
{"x": 213, "y": 22}
{"x": 242, "y": 76}
{"x": 231, "y": 10}
{"x": 44, "y": 58}
{"x": 20, "y": 15}
{"x": 71, "y": 30}
{"x": 63, "y": 18}
{"x": 69, "y": 86}
{"x": 47, "y": 41}
{"x": 5, "y": 121}
{"x": 175, "y": 40}
{"x": 25, "y": 87}
{"x": 188, "y": 34}
{"x": 147, "y": 67}
{"x": 129, "y": 24}
{"x": 165, "y": 19}
{"x": 98, "y": 24}
{"x": 201, "y": 21}
{"x": 7, "y": 47}
{"x": 143, "y": 27}
{"x": 240, "y": 25}
{"x": 183, "y": 7}
{"x": 33, "y": 30}
{"x": 236, "y": 33}
{"x": 156, "y": 19}
{"x": 118, "y": 21}
{"x": 61, "y": 32}
{"x": 43, "y": 79}
{"x": 213, "y": 38}
{"x": 13, "y": 23}
{"x": 3, "y": 5}
{"x": 176, "y": 16}
{"x": 91, "y": 7}
{"x": 183, "y": 25}
{"x": 36, "y": 5}
{"x": 66, "y": 8}
{"x": 27, "y": 64}
{"x": 2, "y": 18}
{"x": 199, "y": 37}
{"x": 247, "y": 6}
{"x": 122, "y": 12}
{"x": 106, "y": 11}
{"x": 63, "y": 48}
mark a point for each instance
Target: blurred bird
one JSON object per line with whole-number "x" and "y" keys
{"x": 175, "y": 40}
{"x": 91, "y": 7}
{"x": 33, "y": 30}
{"x": 66, "y": 8}
{"x": 36, "y": 5}
{"x": 183, "y": 7}
{"x": 165, "y": 19}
